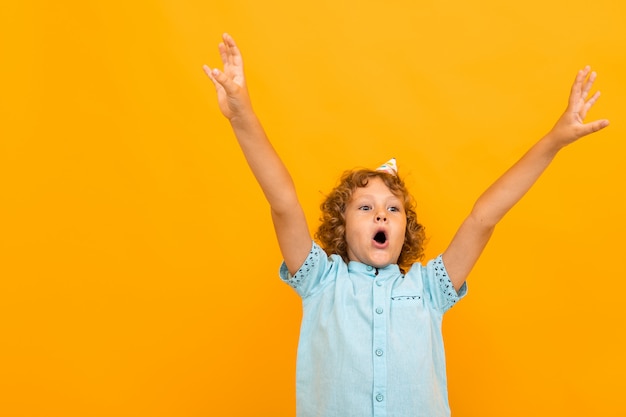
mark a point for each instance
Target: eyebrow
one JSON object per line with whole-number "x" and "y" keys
{"x": 391, "y": 197}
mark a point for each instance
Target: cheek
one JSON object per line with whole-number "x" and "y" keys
{"x": 402, "y": 230}
{"x": 347, "y": 230}
{"x": 401, "y": 238}
{"x": 351, "y": 232}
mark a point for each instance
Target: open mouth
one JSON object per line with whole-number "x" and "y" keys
{"x": 380, "y": 237}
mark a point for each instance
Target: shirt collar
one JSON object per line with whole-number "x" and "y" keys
{"x": 358, "y": 267}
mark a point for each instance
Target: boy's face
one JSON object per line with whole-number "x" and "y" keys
{"x": 375, "y": 225}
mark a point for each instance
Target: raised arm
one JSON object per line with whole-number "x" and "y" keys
{"x": 499, "y": 198}
{"x": 292, "y": 232}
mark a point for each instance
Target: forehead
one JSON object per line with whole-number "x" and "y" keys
{"x": 375, "y": 188}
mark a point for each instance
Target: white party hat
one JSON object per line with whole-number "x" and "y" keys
{"x": 390, "y": 167}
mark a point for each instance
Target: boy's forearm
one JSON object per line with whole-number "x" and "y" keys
{"x": 502, "y": 195}
{"x": 266, "y": 165}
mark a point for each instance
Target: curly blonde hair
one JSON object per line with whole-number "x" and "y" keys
{"x": 331, "y": 233}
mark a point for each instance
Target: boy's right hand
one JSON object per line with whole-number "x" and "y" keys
{"x": 232, "y": 93}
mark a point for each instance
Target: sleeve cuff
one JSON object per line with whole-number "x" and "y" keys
{"x": 301, "y": 274}
{"x": 445, "y": 284}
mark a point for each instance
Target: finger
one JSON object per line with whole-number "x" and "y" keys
{"x": 589, "y": 104}
{"x": 576, "y": 91}
{"x": 235, "y": 54}
{"x": 588, "y": 84}
{"x": 226, "y": 46}
{"x": 224, "y": 53}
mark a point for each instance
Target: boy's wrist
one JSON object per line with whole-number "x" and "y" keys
{"x": 243, "y": 118}
{"x": 554, "y": 142}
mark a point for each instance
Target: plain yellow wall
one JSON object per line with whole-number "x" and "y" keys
{"x": 138, "y": 266}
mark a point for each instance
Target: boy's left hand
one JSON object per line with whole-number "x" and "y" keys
{"x": 570, "y": 126}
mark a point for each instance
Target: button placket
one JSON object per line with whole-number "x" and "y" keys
{"x": 379, "y": 306}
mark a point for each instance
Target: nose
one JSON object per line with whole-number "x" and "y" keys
{"x": 381, "y": 217}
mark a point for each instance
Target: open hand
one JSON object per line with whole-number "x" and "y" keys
{"x": 570, "y": 125}
{"x": 232, "y": 93}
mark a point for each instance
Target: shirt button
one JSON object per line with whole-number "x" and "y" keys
{"x": 379, "y": 283}
{"x": 380, "y": 398}
{"x": 379, "y": 352}
{"x": 369, "y": 268}
{"x": 379, "y": 310}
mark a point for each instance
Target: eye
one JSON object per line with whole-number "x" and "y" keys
{"x": 365, "y": 208}
{"x": 393, "y": 208}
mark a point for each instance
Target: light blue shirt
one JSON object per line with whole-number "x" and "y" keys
{"x": 370, "y": 340}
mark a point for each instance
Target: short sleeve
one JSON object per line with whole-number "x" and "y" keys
{"x": 316, "y": 271}
{"x": 439, "y": 287}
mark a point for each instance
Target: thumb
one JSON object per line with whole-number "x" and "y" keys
{"x": 220, "y": 80}
{"x": 594, "y": 126}
{"x": 209, "y": 74}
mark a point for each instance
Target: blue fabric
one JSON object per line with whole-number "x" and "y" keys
{"x": 370, "y": 340}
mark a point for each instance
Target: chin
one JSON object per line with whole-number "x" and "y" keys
{"x": 383, "y": 263}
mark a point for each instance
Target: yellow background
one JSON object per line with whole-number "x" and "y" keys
{"x": 138, "y": 266}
